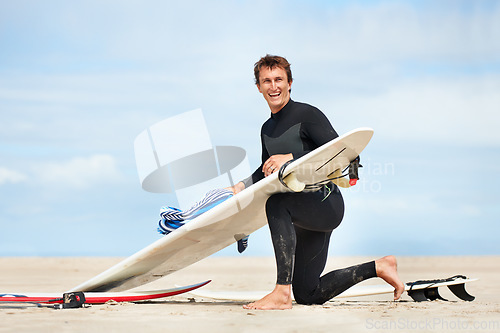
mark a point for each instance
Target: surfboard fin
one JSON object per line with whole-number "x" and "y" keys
{"x": 338, "y": 179}
{"x": 293, "y": 183}
{"x": 459, "y": 291}
{"x": 427, "y": 294}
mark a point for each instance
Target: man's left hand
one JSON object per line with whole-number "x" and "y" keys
{"x": 275, "y": 162}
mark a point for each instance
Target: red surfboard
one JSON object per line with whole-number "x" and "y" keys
{"x": 99, "y": 297}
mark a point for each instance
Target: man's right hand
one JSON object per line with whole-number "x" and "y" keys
{"x": 236, "y": 188}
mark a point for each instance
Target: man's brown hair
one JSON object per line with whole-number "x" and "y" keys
{"x": 272, "y": 61}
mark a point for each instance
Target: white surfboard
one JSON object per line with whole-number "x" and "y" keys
{"x": 228, "y": 222}
{"x": 423, "y": 290}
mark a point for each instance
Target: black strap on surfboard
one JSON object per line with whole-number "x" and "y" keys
{"x": 70, "y": 300}
{"x": 431, "y": 293}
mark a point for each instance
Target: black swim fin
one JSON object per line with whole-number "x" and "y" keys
{"x": 242, "y": 244}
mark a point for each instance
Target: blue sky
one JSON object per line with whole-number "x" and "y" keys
{"x": 80, "y": 80}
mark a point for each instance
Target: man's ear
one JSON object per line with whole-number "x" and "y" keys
{"x": 258, "y": 87}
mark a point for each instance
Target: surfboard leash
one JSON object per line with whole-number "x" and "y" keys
{"x": 69, "y": 300}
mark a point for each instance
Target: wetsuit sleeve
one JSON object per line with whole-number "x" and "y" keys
{"x": 318, "y": 130}
{"x": 257, "y": 174}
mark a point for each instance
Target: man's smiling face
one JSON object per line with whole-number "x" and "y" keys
{"x": 274, "y": 86}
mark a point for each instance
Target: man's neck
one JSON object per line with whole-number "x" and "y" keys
{"x": 278, "y": 109}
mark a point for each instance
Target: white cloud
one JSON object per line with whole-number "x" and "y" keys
{"x": 80, "y": 172}
{"x": 172, "y": 34}
{"x": 11, "y": 176}
{"x": 351, "y": 49}
{"x": 457, "y": 111}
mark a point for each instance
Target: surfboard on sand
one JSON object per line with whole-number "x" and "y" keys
{"x": 424, "y": 290}
{"x": 98, "y": 297}
{"x": 228, "y": 222}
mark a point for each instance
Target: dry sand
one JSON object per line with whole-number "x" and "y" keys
{"x": 188, "y": 313}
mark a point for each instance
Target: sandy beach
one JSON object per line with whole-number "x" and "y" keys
{"x": 189, "y": 313}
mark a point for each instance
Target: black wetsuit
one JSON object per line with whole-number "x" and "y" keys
{"x": 301, "y": 223}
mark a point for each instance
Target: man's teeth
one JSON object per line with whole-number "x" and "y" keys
{"x": 274, "y": 95}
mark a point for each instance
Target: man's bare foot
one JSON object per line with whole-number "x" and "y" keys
{"x": 387, "y": 269}
{"x": 279, "y": 299}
